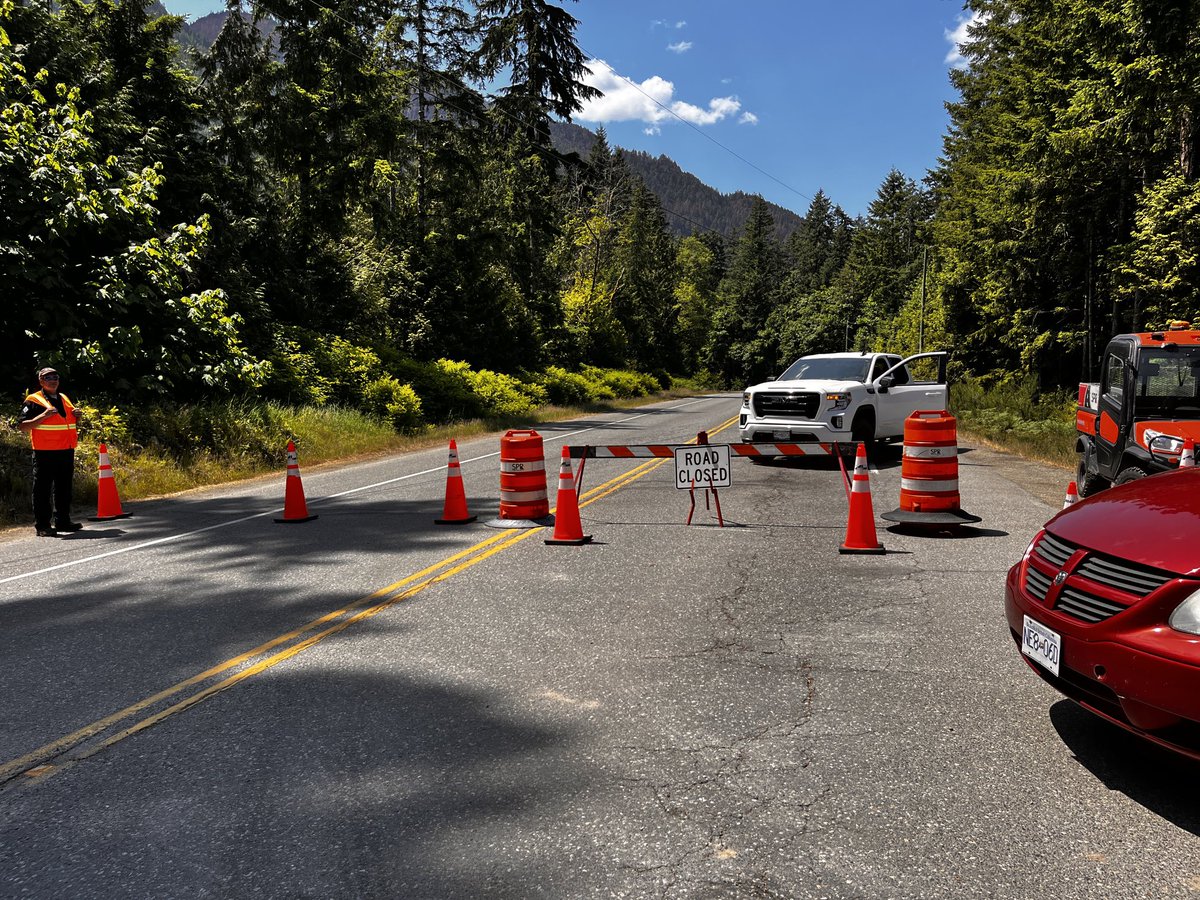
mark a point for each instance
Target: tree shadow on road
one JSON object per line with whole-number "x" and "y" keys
{"x": 308, "y": 782}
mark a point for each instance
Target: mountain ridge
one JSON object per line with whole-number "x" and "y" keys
{"x": 690, "y": 205}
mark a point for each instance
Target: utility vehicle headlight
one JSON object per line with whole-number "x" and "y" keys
{"x": 1163, "y": 443}
{"x": 1187, "y": 615}
{"x": 746, "y": 399}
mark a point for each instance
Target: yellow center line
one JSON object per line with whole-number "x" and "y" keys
{"x": 439, "y": 572}
{"x": 67, "y": 741}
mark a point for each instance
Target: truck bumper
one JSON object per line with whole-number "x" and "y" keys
{"x": 775, "y": 432}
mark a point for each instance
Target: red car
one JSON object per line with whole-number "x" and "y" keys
{"x": 1105, "y": 606}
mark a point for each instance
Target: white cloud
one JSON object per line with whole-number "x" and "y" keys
{"x": 681, "y": 47}
{"x": 959, "y": 36}
{"x": 681, "y": 24}
{"x": 748, "y": 118}
{"x": 652, "y": 101}
{"x": 663, "y": 23}
{"x": 652, "y": 130}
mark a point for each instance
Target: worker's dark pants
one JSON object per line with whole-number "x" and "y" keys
{"x": 52, "y": 472}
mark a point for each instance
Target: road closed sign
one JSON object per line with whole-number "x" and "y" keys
{"x": 705, "y": 465}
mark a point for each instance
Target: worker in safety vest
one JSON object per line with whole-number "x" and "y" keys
{"x": 50, "y": 420}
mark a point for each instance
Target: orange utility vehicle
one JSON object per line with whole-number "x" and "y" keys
{"x": 1136, "y": 420}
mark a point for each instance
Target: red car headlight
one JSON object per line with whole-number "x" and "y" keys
{"x": 1186, "y": 616}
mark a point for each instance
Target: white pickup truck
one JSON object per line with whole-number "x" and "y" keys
{"x": 841, "y": 397}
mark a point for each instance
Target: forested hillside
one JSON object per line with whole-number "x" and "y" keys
{"x": 338, "y": 212}
{"x": 690, "y": 205}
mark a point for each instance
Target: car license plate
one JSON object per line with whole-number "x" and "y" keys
{"x": 1041, "y": 645}
{"x": 783, "y": 436}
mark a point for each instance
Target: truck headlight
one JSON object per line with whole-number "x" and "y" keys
{"x": 1187, "y": 615}
{"x": 839, "y": 400}
{"x": 746, "y": 399}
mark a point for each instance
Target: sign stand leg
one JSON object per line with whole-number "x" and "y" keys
{"x": 692, "y": 494}
{"x": 717, "y": 498}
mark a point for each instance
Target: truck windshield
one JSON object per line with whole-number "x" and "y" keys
{"x": 828, "y": 368}
{"x": 1168, "y": 383}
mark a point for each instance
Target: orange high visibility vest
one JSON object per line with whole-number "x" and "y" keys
{"x": 54, "y": 432}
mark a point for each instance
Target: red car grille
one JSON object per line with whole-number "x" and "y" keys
{"x": 1130, "y": 581}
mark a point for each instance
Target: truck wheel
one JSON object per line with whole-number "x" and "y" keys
{"x": 1133, "y": 473}
{"x": 862, "y": 430}
{"x": 1086, "y": 482}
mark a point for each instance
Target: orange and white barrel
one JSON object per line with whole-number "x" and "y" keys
{"x": 929, "y": 472}
{"x": 523, "y": 477}
{"x": 929, "y": 469}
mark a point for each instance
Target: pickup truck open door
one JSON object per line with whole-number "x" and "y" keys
{"x": 908, "y": 395}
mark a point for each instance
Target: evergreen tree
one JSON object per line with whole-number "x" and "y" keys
{"x": 740, "y": 348}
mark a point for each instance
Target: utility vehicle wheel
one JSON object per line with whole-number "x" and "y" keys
{"x": 1088, "y": 483}
{"x": 1133, "y": 473}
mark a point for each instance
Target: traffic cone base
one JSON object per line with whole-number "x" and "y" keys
{"x": 454, "y": 509}
{"x": 1187, "y": 457}
{"x": 108, "y": 502}
{"x": 295, "y": 509}
{"x": 860, "y": 527}
{"x": 568, "y": 529}
{"x": 1072, "y": 495}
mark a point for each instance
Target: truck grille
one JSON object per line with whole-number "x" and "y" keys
{"x": 787, "y": 404}
{"x": 1130, "y": 580}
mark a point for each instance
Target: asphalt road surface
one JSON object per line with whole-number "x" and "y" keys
{"x": 198, "y": 702}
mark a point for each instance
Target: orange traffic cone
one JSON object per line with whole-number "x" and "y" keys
{"x": 295, "y": 510}
{"x": 1072, "y": 495}
{"x": 567, "y": 527}
{"x": 108, "y": 502}
{"x": 454, "y": 510}
{"x": 1187, "y": 459}
{"x": 860, "y": 529}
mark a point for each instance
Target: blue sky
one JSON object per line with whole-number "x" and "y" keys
{"x": 817, "y": 94}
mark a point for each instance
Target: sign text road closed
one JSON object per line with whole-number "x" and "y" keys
{"x": 704, "y": 465}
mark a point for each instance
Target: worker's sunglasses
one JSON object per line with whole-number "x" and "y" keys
{"x": 49, "y": 378}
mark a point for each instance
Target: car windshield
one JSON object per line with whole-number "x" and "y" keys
{"x": 1168, "y": 383}
{"x": 828, "y": 368}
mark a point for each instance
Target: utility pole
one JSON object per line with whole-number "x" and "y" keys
{"x": 921, "y": 322}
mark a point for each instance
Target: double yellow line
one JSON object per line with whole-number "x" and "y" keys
{"x": 37, "y": 763}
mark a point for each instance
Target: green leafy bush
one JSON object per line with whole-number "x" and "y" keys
{"x": 295, "y": 373}
{"x": 565, "y": 388}
{"x": 501, "y": 395}
{"x": 445, "y": 392}
{"x": 345, "y": 367}
{"x": 624, "y": 383}
{"x": 387, "y": 398}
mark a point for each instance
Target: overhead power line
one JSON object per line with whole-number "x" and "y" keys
{"x": 692, "y": 125}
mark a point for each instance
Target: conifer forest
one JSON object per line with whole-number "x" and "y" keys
{"x": 331, "y": 208}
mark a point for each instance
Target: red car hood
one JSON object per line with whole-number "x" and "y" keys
{"x": 1154, "y": 521}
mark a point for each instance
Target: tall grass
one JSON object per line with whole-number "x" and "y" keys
{"x": 1013, "y": 415}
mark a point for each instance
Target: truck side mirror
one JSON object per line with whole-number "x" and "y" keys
{"x": 885, "y": 383}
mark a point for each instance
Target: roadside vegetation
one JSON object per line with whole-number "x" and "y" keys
{"x": 1012, "y": 415}
{"x": 163, "y": 450}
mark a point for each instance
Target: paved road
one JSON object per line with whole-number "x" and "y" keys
{"x": 368, "y": 705}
